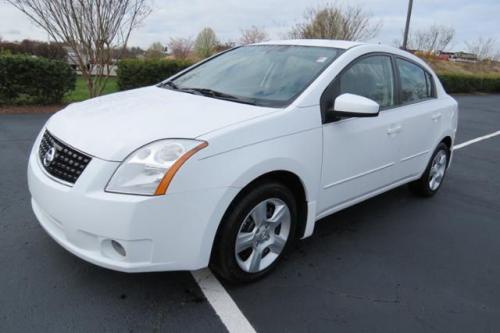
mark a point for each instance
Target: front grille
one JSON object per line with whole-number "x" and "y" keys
{"x": 60, "y": 160}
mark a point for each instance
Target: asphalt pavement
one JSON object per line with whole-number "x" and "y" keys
{"x": 395, "y": 263}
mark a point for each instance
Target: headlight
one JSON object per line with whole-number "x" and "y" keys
{"x": 150, "y": 169}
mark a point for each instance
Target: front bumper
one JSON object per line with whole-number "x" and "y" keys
{"x": 170, "y": 232}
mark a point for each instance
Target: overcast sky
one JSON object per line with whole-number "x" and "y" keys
{"x": 171, "y": 18}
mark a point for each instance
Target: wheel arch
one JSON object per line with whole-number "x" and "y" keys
{"x": 285, "y": 177}
{"x": 290, "y": 180}
{"x": 448, "y": 141}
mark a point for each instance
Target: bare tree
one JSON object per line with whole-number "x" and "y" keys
{"x": 335, "y": 21}
{"x": 223, "y": 46}
{"x": 205, "y": 43}
{"x": 181, "y": 48}
{"x": 155, "y": 51}
{"x": 434, "y": 38}
{"x": 484, "y": 48}
{"x": 496, "y": 57}
{"x": 253, "y": 35}
{"x": 92, "y": 29}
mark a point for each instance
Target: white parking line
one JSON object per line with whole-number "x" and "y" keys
{"x": 221, "y": 301}
{"x": 481, "y": 138}
{"x": 227, "y": 310}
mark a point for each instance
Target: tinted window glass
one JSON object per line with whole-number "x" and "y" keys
{"x": 370, "y": 77}
{"x": 270, "y": 75}
{"x": 416, "y": 84}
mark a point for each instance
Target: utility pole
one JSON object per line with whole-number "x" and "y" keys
{"x": 407, "y": 27}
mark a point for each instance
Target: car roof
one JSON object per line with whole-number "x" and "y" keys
{"x": 344, "y": 45}
{"x": 338, "y": 44}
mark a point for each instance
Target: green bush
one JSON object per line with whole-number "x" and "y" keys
{"x": 133, "y": 73}
{"x": 30, "y": 80}
{"x": 467, "y": 83}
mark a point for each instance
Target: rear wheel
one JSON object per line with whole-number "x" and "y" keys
{"x": 433, "y": 177}
{"x": 255, "y": 233}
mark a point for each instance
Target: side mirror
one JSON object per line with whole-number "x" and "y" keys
{"x": 350, "y": 105}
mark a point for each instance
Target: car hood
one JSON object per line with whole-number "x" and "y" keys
{"x": 112, "y": 126}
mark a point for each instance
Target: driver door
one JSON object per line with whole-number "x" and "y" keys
{"x": 360, "y": 154}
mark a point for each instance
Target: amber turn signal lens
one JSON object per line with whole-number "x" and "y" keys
{"x": 167, "y": 179}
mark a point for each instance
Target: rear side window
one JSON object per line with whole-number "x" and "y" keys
{"x": 370, "y": 77}
{"x": 416, "y": 84}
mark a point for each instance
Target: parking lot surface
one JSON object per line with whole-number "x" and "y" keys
{"x": 391, "y": 264}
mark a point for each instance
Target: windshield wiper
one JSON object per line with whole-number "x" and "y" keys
{"x": 174, "y": 86}
{"x": 217, "y": 94}
{"x": 208, "y": 93}
{"x": 170, "y": 84}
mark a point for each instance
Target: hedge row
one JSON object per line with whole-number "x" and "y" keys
{"x": 29, "y": 80}
{"x": 39, "y": 49}
{"x": 133, "y": 73}
{"x": 467, "y": 83}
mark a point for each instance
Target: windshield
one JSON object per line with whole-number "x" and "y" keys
{"x": 265, "y": 75}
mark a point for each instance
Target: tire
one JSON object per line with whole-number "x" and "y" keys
{"x": 427, "y": 186}
{"x": 262, "y": 225}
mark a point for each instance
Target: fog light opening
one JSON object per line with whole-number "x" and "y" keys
{"x": 118, "y": 248}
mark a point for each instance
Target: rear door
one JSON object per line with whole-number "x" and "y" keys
{"x": 421, "y": 117}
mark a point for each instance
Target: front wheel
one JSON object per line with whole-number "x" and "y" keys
{"x": 255, "y": 234}
{"x": 433, "y": 177}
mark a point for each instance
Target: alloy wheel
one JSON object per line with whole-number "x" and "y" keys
{"x": 263, "y": 235}
{"x": 438, "y": 169}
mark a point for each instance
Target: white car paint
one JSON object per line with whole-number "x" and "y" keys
{"x": 346, "y": 102}
{"x": 131, "y": 114}
{"x": 338, "y": 163}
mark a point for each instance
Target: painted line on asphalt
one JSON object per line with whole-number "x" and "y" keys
{"x": 481, "y": 138}
{"x": 227, "y": 310}
{"x": 225, "y": 307}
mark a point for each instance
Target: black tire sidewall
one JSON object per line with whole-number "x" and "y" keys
{"x": 424, "y": 181}
{"x": 224, "y": 262}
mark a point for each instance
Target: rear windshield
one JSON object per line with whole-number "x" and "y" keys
{"x": 265, "y": 75}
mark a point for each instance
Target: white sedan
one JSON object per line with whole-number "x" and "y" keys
{"x": 228, "y": 162}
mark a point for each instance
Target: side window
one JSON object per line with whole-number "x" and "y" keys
{"x": 416, "y": 84}
{"x": 370, "y": 77}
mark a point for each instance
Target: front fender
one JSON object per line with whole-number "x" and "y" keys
{"x": 299, "y": 153}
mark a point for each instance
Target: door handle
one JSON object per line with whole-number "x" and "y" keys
{"x": 394, "y": 130}
{"x": 436, "y": 116}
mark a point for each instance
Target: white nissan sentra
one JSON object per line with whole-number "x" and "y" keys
{"x": 228, "y": 162}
